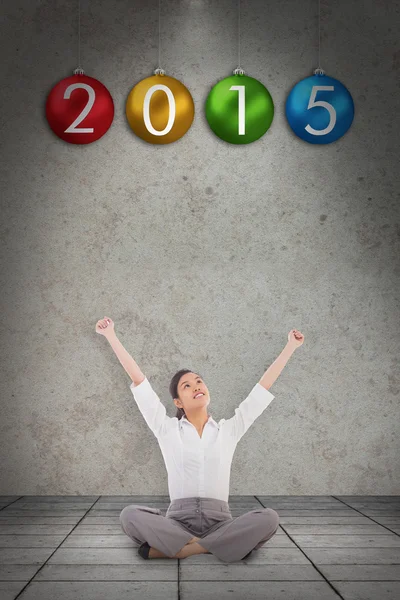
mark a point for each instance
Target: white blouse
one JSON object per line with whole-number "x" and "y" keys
{"x": 198, "y": 466}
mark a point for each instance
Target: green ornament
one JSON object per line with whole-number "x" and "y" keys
{"x": 239, "y": 109}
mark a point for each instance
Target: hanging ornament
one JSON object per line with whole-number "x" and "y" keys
{"x": 160, "y": 109}
{"x": 319, "y": 109}
{"x": 79, "y": 109}
{"x": 239, "y": 109}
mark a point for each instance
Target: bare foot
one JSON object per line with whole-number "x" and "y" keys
{"x": 190, "y": 549}
{"x": 154, "y": 553}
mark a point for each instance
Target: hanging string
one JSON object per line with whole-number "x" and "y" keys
{"x": 319, "y": 34}
{"x": 79, "y": 71}
{"x": 159, "y": 70}
{"x": 79, "y": 33}
{"x": 238, "y": 71}
{"x": 318, "y": 70}
{"x": 239, "y": 36}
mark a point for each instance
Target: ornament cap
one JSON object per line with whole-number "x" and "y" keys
{"x": 319, "y": 71}
{"x": 159, "y": 71}
{"x": 79, "y": 71}
{"x": 238, "y": 71}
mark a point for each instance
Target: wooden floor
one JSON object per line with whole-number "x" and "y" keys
{"x": 326, "y": 547}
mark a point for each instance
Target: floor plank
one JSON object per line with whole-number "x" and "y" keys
{"x": 326, "y": 548}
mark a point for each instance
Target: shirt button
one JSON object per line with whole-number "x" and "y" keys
{"x": 197, "y": 510}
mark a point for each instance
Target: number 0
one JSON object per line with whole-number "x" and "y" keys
{"x": 146, "y": 109}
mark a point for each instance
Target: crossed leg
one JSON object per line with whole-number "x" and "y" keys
{"x": 139, "y": 525}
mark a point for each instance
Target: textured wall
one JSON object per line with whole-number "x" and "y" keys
{"x": 205, "y": 254}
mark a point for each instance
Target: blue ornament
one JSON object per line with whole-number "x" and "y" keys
{"x": 319, "y": 109}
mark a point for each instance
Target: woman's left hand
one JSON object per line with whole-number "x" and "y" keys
{"x": 295, "y": 338}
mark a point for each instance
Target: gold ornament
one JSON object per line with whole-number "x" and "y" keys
{"x": 160, "y": 109}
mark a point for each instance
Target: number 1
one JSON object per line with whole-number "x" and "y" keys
{"x": 240, "y": 89}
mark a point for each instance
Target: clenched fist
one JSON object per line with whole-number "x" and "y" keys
{"x": 105, "y": 326}
{"x": 295, "y": 338}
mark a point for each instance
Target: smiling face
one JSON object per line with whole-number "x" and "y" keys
{"x": 191, "y": 384}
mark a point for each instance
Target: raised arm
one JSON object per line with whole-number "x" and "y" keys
{"x": 295, "y": 339}
{"x": 106, "y": 327}
{"x": 150, "y": 405}
{"x": 260, "y": 396}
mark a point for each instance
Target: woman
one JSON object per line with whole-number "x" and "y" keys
{"x": 198, "y": 454}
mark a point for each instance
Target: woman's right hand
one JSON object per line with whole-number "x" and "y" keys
{"x": 105, "y": 326}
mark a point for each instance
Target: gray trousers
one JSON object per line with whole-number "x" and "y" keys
{"x": 228, "y": 538}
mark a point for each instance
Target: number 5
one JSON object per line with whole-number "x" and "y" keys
{"x": 329, "y": 108}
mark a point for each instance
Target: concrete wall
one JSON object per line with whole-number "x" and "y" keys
{"x": 205, "y": 254}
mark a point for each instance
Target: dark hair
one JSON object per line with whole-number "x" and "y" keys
{"x": 173, "y": 388}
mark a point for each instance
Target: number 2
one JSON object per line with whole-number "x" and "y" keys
{"x": 92, "y": 95}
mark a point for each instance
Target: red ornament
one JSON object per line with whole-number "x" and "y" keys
{"x": 79, "y": 109}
